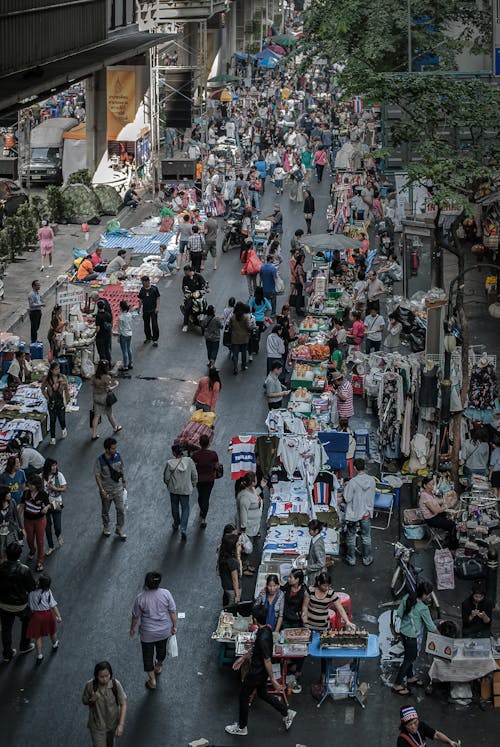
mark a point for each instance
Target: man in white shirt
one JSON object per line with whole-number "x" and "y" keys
{"x": 374, "y": 326}
{"x": 118, "y": 265}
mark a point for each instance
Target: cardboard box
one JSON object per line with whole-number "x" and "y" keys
{"x": 496, "y": 683}
{"x": 496, "y": 701}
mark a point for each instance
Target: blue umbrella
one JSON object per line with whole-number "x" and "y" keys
{"x": 268, "y": 62}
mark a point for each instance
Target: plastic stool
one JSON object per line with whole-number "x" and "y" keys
{"x": 362, "y": 438}
{"x": 336, "y": 622}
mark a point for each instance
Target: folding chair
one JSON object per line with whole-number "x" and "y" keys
{"x": 384, "y": 502}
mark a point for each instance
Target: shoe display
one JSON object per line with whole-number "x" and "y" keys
{"x": 236, "y": 731}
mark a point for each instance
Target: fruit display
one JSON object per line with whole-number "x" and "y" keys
{"x": 343, "y": 639}
{"x": 302, "y": 395}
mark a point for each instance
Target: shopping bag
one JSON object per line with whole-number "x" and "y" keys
{"x": 443, "y": 564}
{"x": 172, "y": 648}
{"x": 246, "y": 544}
{"x": 279, "y": 285}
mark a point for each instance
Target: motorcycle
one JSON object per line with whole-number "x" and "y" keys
{"x": 406, "y": 576}
{"x": 385, "y": 235}
{"x": 198, "y": 308}
{"x": 232, "y": 233}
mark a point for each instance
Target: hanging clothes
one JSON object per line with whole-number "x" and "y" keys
{"x": 428, "y": 395}
{"x": 456, "y": 386}
{"x": 266, "y": 449}
{"x": 483, "y": 387}
{"x": 243, "y": 459}
{"x": 289, "y": 452}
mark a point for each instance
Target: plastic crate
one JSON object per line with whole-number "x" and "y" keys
{"x": 305, "y": 383}
{"x": 36, "y": 351}
{"x": 414, "y": 531}
{"x": 358, "y": 385}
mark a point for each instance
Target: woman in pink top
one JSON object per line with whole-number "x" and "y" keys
{"x": 434, "y": 513}
{"x": 46, "y": 239}
{"x": 320, "y": 159}
{"x": 207, "y": 391}
{"x": 357, "y": 332}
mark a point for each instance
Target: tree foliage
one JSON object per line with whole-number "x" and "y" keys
{"x": 374, "y": 37}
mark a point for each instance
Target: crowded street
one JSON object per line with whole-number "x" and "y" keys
{"x": 249, "y": 428}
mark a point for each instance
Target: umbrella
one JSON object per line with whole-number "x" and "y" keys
{"x": 223, "y": 79}
{"x": 266, "y": 52}
{"x": 285, "y": 40}
{"x": 268, "y": 62}
{"x": 330, "y": 241}
{"x": 276, "y": 48}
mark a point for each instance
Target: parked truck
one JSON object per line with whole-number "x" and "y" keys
{"x": 46, "y": 151}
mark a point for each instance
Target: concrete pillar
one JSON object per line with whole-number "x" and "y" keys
{"x": 231, "y": 33}
{"x": 96, "y": 119}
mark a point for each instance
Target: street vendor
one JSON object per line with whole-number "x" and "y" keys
{"x": 477, "y": 611}
{"x": 415, "y": 732}
{"x": 434, "y": 512}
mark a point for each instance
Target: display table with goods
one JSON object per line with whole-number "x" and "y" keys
{"x": 309, "y": 376}
{"x": 334, "y": 645}
{"x": 461, "y": 659}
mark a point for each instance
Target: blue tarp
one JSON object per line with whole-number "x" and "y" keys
{"x": 137, "y": 244}
{"x": 241, "y": 56}
{"x": 267, "y": 53}
{"x": 269, "y": 62}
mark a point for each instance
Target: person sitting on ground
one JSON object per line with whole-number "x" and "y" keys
{"x": 118, "y": 265}
{"x": 168, "y": 260}
{"x": 131, "y": 198}
{"x": 19, "y": 371}
{"x": 392, "y": 271}
{"x": 97, "y": 260}
{"x": 85, "y": 271}
{"x": 477, "y": 611}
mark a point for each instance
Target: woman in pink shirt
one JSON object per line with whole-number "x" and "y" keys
{"x": 320, "y": 159}
{"x": 434, "y": 513}
{"x": 46, "y": 239}
{"x": 207, "y": 391}
{"x": 357, "y": 332}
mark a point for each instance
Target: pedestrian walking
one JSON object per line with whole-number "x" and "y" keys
{"x": 10, "y": 523}
{"x": 34, "y": 507}
{"x": 251, "y": 265}
{"x": 308, "y": 209}
{"x": 412, "y": 731}
{"x": 211, "y": 231}
{"x": 316, "y": 555}
{"x": 374, "y": 327}
{"x": 182, "y": 236}
{"x": 155, "y": 612}
{"x": 320, "y": 159}
{"x": 107, "y": 703}
{"x": 180, "y": 477}
{"x": 275, "y": 347}
{"x": 149, "y": 301}
{"x": 44, "y": 616}
{"x": 240, "y": 330}
{"x": 413, "y": 613}
{"x": 14, "y": 478}
{"x": 46, "y": 239}
{"x": 103, "y": 398}
{"x": 207, "y": 391}
{"x": 229, "y": 566}
{"x": 125, "y": 335}
{"x": 103, "y": 328}
{"x": 35, "y": 305}
{"x": 56, "y": 391}
{"x": 55, "y": 485}
{"x": 268, "y": 274}
{"x": 261, "y": 670}
{"x": 56, "y": 328}
{"x": 211, "y": 326}
{"x": 109, "y": 473}
{"x": 207, "y": 463}
{"x": 16, "y": 582}
{"x": 359, "y": 497}
{"x": 196, "y": 247}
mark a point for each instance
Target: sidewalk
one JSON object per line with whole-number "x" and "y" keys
{"x": 21, "y": 273}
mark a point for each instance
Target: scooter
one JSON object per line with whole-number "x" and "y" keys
{"x": 198, "y": 309}
{"x": 232, "y": 233}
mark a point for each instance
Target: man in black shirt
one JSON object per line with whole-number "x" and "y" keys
{"x": 104, "y": 327}
{"x": 16, "y": 582}
{"x": 191, "y": 282}
{"x": 260, "y": 670}
{"x": 131, "y": 198}
{"x": 149, "y": 300}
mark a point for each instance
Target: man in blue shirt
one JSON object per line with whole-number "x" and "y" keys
{"x": 268, "y": 274}
{"x": 261, "y": 167}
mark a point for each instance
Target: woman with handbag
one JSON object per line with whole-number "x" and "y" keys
{"x": 10, "y": 523}
{"x": 300, "y": 280}
{"x": 308, "y": 209}
{"x": 56, "y": 392}
{"x": 55, "y": 485}
{"x": 240, "y": 329}
{"x": 413, "y": 613}
{"x": 208, "y": 468}
{"x": 248, "y": 510}
{"x": 103, "y": 398}
{"x": 155, "y": 611}
{"x": 251, "y": 265}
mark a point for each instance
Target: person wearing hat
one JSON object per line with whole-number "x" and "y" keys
{"x": 276, "y": 219}
{"x": 275, "y": 391}
{"x": 342, "y": 389}
{"x": 415, "y": 732}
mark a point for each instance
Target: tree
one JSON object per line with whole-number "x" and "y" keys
{"x": 374, "y": 38}
{"x": 452, "y": 125}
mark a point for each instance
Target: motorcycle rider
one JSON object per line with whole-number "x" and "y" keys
{"x": 191, "y": 282}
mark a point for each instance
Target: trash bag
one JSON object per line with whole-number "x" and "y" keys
{"x": 79, "y": 252}
{"x": 406, "y": 317}
{"x": 417, "y": 340}
{"x": 113, "y": 225}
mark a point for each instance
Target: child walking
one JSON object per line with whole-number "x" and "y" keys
{"x": 44, "y": 615}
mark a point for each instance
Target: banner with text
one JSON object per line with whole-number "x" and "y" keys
{"x": 120, "y": 86}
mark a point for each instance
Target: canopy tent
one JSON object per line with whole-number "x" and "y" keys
{"x": 330, "y": 241}
{"x": 266, "y": 52}
{"x": 268, "y": 62}
{"x": 285, "y": 40}
{"x": 241, "y": 56}
{"x": 276, "y": 49}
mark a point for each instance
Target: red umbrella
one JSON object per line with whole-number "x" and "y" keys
{"x": 276, "y": 48}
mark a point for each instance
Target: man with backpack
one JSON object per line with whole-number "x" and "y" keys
{"x": 110, "y": 479}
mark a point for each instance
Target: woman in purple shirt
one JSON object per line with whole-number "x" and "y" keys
{"x": 154, "y": 609}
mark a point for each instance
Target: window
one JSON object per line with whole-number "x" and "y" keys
{"x": 121, "y": 13}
